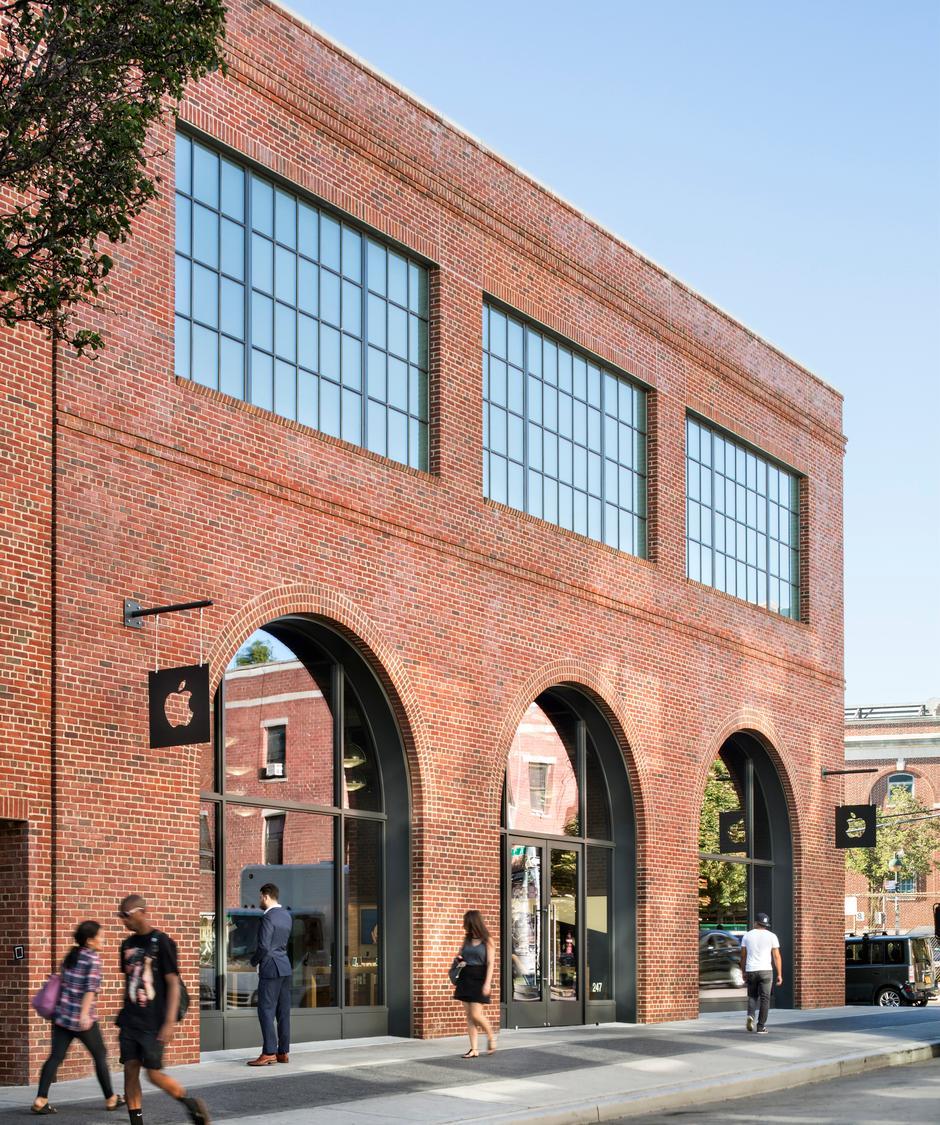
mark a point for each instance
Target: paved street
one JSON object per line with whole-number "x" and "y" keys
{"x": 906, "y": 1095}
{"x": 546, "y": 1074}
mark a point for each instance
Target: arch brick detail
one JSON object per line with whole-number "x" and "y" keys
{"x": 327, "y": 605}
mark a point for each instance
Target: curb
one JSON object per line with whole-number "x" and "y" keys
{"x": 688, "y": 1094}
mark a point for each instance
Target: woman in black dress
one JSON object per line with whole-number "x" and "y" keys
{"x": 475, "y": 961}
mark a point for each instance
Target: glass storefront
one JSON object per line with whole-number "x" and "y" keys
{"x": 293, "y": 795}
{"x": 559, "y": 851}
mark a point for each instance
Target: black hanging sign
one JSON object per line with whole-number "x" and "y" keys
{"x": 732, "y": 834}
{"x": 855, "y": 826}
{"x": 179, "y": 706}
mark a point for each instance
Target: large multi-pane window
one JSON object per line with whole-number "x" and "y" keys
{"x": 286, "y": 306}
{"x": 742, "y": 521}
{"x": 564, "y": 438}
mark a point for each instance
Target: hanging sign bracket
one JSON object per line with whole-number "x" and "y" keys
{"x": 134, "y": 613}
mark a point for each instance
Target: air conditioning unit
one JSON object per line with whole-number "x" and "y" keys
{"x": 272, "y": 769}
{"x": 878, "y": 918}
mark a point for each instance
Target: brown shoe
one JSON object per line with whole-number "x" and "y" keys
{"x": 263, "y": 1060}
{"x": 285, "y": 1058}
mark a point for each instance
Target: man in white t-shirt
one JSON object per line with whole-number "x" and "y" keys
{"x": 760, "y": 959}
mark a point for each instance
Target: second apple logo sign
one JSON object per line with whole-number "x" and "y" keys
{"x": 179, "y": 706}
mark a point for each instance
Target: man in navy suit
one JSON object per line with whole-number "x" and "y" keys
{"x": 274, "y": 978}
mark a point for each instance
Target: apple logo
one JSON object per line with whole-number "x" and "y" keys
{"x": 176, "y": 707}
{"x": 854, "y": 826}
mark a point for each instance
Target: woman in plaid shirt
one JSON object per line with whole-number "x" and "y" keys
{"x": 76, "y": 1018}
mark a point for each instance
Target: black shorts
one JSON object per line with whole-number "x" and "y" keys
{"x": 141, "y": 1046}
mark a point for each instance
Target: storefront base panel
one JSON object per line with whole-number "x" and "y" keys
{"x": 238, "y": 1030}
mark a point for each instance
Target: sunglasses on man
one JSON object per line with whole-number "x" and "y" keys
{"x": 128, "y": 913}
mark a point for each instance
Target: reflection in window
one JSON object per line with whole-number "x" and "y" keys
{"x": 267, "y": 689}
{"x": 363, "y": 862}
{"x": 742, "y": 521}
{"x": 276, "y": 752}
{"x": 900, "y": 783}
{"x": 285, "y": 306}
{"x": 563, "y": 437}
{"x": 597, "y": 903}
{"x": 274, "y": 838}
{"x": 538, "y": 786}
{"x": 208, "y": 970}
{"x": 542, "y": 769}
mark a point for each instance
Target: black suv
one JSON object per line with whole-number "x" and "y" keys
{"x": 889, "y": 970}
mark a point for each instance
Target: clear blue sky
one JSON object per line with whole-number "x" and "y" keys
{"x": 782, "y": 159}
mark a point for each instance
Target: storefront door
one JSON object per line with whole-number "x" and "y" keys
{"x": 545, "y": 970}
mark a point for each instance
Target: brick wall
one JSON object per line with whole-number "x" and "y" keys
{"x": 466, "y": 610}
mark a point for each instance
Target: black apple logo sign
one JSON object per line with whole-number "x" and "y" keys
{"x": 176, "y": 707}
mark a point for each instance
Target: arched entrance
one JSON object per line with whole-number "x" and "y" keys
{"x": 305, "y": 786}
{"x": 569, "y": 863}
{"x": 745, "y": 868}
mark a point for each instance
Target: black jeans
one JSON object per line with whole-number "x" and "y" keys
{"x": 61, "y": 1041}
{"x": 758, "y": 995}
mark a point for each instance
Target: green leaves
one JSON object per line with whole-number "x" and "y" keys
{"x": 81, "y": 83}
{"x": 919, "y": 840}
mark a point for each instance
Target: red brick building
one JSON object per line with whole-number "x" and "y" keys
{"x": 901, "y": 744}
{"x": 464, "y": 454}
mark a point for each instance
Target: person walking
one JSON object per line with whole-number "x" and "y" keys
{"x": 760, "y": 959}
{"x": 147, "y": 1021}
{"x": 275, "y": 976}
{"x": 76, "y": 1018}
{"x": 475, "y": 961}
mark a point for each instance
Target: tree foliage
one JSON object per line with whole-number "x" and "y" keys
{"x": 257, "y": 652}
{"x": 919, "y": 841}
{"x": 81, "y": 83}
{"x": 722, "y": 885}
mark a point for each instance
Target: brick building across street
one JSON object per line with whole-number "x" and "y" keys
{"x": 534, "y": 534}
{"x": 901, "y": 743}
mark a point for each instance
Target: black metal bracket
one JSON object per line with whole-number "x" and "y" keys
{"x": 836, "y": 773}
{"x": 134, "y": 614}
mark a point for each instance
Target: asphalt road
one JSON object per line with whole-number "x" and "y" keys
{"x": 896, "y": 1095}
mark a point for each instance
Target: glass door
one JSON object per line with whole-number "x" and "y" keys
{"x": 545, "y": 960}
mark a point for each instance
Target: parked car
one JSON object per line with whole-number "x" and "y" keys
{"x": 719, "y": 959}
{"x": 889, "y": 970}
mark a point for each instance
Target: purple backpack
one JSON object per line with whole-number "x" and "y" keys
{"x": 47, "y": 997}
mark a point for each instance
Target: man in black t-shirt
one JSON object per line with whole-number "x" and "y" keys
{"x": 147, "y": 1021}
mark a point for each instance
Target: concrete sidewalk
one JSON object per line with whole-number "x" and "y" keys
{"x": 547, "y": 1075}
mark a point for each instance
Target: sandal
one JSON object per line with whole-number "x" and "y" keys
{"x": 471, "y": 1055}
{"x": 43, "y": 1110}
{"x": 121, "y": 1101}
{"x": 491, "y": 1050}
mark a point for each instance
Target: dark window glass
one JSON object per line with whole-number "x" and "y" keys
{"x": 361, "y": 786}
{"x": 277, "y": 746}
{"x": 362, "y": 858}
{"x": 597, "y": 891}
{"x": 274, "y": 839}
{"x": 551, "y": 418}
{"x": 596, "y": 806}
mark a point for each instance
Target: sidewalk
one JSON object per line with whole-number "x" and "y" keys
{"x": 546, "y": 1075}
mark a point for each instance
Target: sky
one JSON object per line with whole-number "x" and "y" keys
{"x": 784, "y": 161}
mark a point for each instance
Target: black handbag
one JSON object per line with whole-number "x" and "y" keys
{"x": 456, "y": 968}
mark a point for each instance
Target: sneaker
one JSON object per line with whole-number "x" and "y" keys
{"x": 196, "y": 1108}
{"x": 762, "y": 1031}
{"x": 750, "y": 1023}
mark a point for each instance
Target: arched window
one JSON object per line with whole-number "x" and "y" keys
{"x": 900, "y": 783}
{"x": 295, "y": 791}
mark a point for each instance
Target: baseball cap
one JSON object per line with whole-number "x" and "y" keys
{"x": 762, "y": 919}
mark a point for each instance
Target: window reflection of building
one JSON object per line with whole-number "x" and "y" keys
{"x": 293, "y": 845}
{"x": 541, "y": 780}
